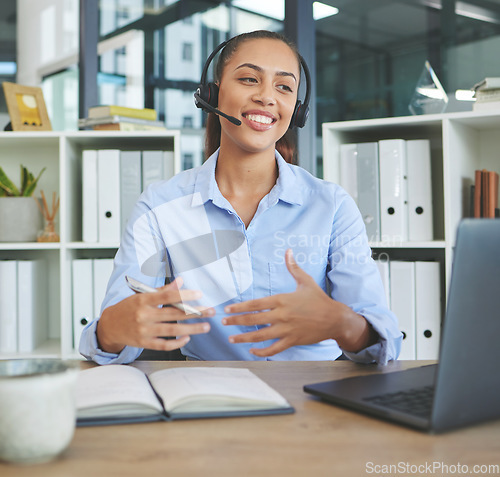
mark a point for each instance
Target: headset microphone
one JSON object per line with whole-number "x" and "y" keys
{"x": 209, "y": 107}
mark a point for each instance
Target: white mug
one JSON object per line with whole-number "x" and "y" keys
{"x": 37, "y": 408}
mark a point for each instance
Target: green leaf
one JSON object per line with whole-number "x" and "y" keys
{"x": 7, "y": 185}
{"x": 32, "y": 184}
{"x": 24, "y": 180}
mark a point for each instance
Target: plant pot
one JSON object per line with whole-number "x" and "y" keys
{"x": 20, "y": 219}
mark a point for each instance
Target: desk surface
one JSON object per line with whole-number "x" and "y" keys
{"x": 318, "y": 440}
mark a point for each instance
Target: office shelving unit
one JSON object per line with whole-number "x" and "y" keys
{"x": 61, "y": 154}
{"x": 460, "y": 144}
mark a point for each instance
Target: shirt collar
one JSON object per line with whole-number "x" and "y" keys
{"x": 286, "y": 188}
{"x": 205, "y": 185}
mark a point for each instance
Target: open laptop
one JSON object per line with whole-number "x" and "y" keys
{"x": 464, "y": 387}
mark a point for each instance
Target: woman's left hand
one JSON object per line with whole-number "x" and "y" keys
{"x": 306, "y": 316}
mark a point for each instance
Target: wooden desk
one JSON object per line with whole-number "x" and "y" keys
{"x": 318, "y": 440}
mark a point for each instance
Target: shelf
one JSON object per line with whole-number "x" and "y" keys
{"x": 35, "y": 139}
{"x": 50, "y": 349}
{"x": 438, "y": 244}
{"x": 91, "y": 246}
{"x": 61, "y": 154}
{"x": 30, "y": 245}
{"x": 479, "y": 119}
{"x": 124, "y": 139}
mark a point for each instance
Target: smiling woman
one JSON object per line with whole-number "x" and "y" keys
{"x": 264, "y": 87}
{"x": 286, "y": 143}
{"x": 259, "y": 302}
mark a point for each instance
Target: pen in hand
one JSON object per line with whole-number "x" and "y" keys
{"x": 139, "y": 287}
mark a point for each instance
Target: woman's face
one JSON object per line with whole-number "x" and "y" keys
{"x": 258, "y": 86}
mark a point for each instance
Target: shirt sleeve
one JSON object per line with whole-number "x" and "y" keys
{"x": 142, "y": 256}
{"x": 89, "y": 348}
{"x": 355, "y": 281}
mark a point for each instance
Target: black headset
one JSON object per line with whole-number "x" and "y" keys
{"x": 207, "y": 94}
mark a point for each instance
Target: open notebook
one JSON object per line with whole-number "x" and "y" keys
{"x": 113, "y": 394}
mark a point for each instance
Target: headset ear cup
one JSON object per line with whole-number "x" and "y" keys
{"x": 302, "y": 116}
{"x": 203, "y": 93}
{"x": 294, "y": 115}
{"x": 299, "y": 116}
{"x": 213, "y": 95}
{"x": 209, "y": 93}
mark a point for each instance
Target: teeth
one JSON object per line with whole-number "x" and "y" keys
{"x": 260, "y": 119}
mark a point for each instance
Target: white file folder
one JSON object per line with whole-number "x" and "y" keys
{"x": 428, "y": 309}
{"x": 8, "y": 306}
{"x": 403, "y": 304}
{"x": 420, "y": 211}
{"x": 31, "y": 304}
{"x": 89, "y": 196}
{"x": 83, "y": 297}
{"x": 108, "y": 180}
{"x": 368, "y": 188}
{"x": 130, "y": 184}
{"x": 348, "y": 169}
{"x": 102, "y": 269}
{"x": 169, "y": 166}
{"x": 152, "y": 167}
{"x": 393, "y": 190}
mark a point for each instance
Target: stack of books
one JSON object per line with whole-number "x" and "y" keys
{"x": 121, "y": 118}
{"x": 487, "y": 95}
{"x": 485, "y": 194}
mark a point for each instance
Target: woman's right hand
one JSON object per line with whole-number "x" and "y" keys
{"x": 138, "y": 321}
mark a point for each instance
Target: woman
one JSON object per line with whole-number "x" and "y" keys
{"x": 228, "y": 233}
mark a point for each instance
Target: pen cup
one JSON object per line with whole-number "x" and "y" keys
{"x": 37, "y": 409}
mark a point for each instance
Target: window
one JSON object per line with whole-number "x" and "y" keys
{"x": 188, "y": 161}
{"x": 187, "y": 122}
{"x": 370, "y": 55}
{"x": 8, "y": 64}
{"x": 187, "y": 51}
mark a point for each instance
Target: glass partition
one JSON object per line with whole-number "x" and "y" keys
{"x": 370, "y": 55}
{"x": 8, "y": 60}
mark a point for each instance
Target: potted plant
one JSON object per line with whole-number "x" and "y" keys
{"x": 20, "y": 218}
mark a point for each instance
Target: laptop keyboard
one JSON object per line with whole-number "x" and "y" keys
{"x": 416, "y": 401}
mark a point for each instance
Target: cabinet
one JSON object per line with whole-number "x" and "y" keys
{"x": 460, "y": 144}
{"x": 61, "y": 154}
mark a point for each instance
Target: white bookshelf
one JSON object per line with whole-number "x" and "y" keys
{"x": 460, "y": 144}
{"x": 61, "y": 154}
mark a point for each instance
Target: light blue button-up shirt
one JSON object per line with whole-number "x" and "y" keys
{"x": 185, "y": 227}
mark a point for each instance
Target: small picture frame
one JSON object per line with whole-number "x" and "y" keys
{"x": 26, "y": 108}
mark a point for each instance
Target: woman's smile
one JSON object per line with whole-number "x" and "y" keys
{"x": 259, "y": 120}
